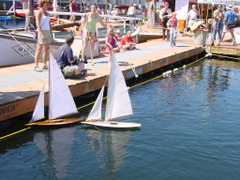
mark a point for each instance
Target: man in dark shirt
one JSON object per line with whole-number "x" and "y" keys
{"x": 67, "y": 62}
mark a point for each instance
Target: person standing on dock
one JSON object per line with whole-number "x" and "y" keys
{"x": 164, "y": 16}
{"x": 172, "y": 25}
{"x": 90, "y": 21}
{"x": 73, "y": 9}
{"x": 44, "y": 33}
{"x": 229, "y": 23}
{"x": 218, "y": 15}
{"x": 111, "y": 41}
{"x": 192, "y": 17}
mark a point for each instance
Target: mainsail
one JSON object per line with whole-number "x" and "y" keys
{"x": 118, "y": 100}
{"x": 61, "y": 102}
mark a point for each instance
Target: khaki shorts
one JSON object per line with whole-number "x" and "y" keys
{"x": 48, "y": 36}
{"x": 69, "y": 70}
{"x": 225, "y": 29}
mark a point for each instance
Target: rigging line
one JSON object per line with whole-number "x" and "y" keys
{"x": 133, "y": 68}
{"x": 81, "y": 107}
{"x": 20, "y": 44}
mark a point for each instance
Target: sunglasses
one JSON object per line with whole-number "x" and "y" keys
{"x": 47, "y": 3}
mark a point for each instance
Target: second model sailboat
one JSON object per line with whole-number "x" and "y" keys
{"x": 118, "y": 102}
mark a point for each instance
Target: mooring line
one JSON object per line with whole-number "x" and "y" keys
{"x": 81, "y": 107}
{"x": 12, "y": 134}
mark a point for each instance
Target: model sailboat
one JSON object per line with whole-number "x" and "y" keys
{"x": 61, "y": 102}
{"x": 118, "y": 102}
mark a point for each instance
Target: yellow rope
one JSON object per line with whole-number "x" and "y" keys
{"x": 145, "y": 82}
{"x": 12, "y": 134}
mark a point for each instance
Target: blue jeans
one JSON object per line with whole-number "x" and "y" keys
{"x": 217, "y": 30}
{"x": 173, "y": 36}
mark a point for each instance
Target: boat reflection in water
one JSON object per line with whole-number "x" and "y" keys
{"x": 110, "y": 147}
{"x": 56, "y": 145}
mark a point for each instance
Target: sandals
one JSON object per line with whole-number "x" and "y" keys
{"x": 83, "y": 72}
{"x": 37, "y": 69}
{"x": 45, "y": 67}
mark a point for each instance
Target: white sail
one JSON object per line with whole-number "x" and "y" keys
{"x": 39, "y": 108}
{"x": 96, "y": 112}
{"x": 118, "y": 100}
{"x": 61, "y": 102}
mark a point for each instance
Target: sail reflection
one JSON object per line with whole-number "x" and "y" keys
{"x": 110, "y": 147}
{"x": 56, "y": 145}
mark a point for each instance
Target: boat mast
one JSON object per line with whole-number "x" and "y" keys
{"x": 31, "y": 13}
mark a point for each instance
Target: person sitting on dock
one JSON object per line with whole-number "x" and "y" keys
{"x": 172, "y": 25}
{"x": 127, "y": 42}
{"x": 69, "y": 64}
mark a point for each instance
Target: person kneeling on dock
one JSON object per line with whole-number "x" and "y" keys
{"x": 69, "y": 64}
{"x": 127, "y": 42}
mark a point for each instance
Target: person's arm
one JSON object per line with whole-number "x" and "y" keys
{"x": 168, "y": 23}
{"x": 101, "y": 22}
{"x": 84, "y": 18}
{"x": 50, "y": 26}
{"x": 70, "y": 57}
{"x": 108, "y": 42}
{"x": 38, "y": 24}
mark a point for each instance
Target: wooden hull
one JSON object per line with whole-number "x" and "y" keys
{"x": 55, "y": 122}
{"x": 116, "y": 125}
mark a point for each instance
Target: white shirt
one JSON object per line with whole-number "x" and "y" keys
{"x": 192, "y": 14}
{"x": 131, "y": 10}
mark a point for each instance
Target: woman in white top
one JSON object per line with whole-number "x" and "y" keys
{"x": 44, "y": 33}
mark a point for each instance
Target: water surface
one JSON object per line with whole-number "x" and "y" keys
{"x": 190, "y": 130}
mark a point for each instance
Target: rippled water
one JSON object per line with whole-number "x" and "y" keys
{"x": 190, "y": 130}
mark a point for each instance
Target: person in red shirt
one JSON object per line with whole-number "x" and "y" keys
{"x": 127, "y": 42}
{"x": 73, "y": 9}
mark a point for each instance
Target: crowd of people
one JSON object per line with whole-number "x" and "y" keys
{"x": 69, "y": 64}
{"x": 224, "y": 21}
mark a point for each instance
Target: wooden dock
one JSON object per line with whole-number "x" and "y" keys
{"x": 20, "y": 85}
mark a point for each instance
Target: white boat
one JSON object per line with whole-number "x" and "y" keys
{"x": 19, "y": 48}
{"x": 118, "y": 102}
{"x": 61, "y": 102}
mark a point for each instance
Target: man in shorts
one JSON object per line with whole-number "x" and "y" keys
{"x": 67, "y": 62}
{"x": 229, "y": 23}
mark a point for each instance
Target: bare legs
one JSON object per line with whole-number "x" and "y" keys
{"x": 46, "y": 48}
{"x": 91, "y": 49}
